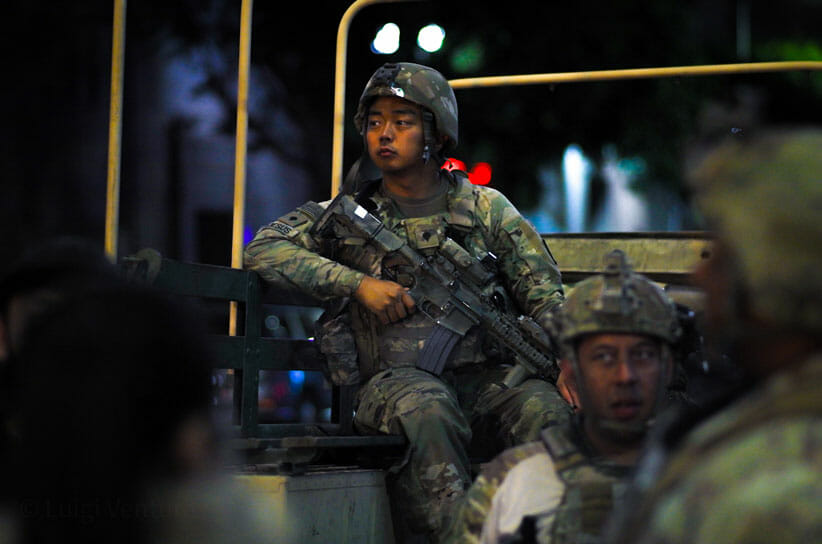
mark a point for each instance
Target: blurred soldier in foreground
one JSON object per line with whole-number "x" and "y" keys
{"x": 616, "y": 331}
{"x": 109, "y": 395}
{"x": 751, "y": 469}
{"x": 42, "y": 278}
{"x": 416, "y": 377}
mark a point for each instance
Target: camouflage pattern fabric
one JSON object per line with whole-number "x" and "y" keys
{"x": 419, "y": 405}
{"x": 285, "y": 254}
{"x": 584, "y": 490}
{"x": 418, "y": 84}
{"x": 617, "y": 301}
{"x": 398, "y": 398}
{"x": 337, "y": 343}
{"x": 466, "y": 524}
{"x": 505, "y": 417}
{"x": 779, "y": 247}
{"x": 434, "y": 414}
{"x": 752, "y": 473}
{"x": 593, "y": 487}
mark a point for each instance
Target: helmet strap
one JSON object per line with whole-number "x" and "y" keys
{"x": 428, "y": 135}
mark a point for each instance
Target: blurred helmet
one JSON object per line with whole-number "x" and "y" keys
{"x": 764, "y": 198}
{"x": 419, "y": 84}
{"x": 616, "y": 301}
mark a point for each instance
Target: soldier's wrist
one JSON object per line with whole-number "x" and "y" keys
{"x": 348, "y": 282}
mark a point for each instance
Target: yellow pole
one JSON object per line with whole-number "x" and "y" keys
{"x": 529, "y": 79}
{"x": 339, "y": 89}
{"x": 240, "y": 149}
{"x": 118, "y": 41}
{"x": 636, "y": 73}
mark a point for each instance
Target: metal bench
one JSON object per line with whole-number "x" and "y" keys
{"x": 247, "y": 353}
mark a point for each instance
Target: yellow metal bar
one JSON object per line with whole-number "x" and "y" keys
{"x": 240, "y": 149}
{"x": 636, "y": 73}
{"x": 655, "y": 254}
{"x": 339, "y": 89}
{"x": 118, "y": 42}
{"x": 527, "y": 79}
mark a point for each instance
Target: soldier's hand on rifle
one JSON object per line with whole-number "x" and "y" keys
{"x": 387, "y": 299}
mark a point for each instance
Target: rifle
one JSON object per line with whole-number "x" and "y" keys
{"x": 450, "y": 288}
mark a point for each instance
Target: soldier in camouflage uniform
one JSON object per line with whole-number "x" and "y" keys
{"x": 408, "y": 118}
{"x": 750, "y": 469}
{"x": 616, "y": 331}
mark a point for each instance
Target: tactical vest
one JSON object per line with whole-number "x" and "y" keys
{"x": 399, "y": 344}
{"x": 591, "y": 490}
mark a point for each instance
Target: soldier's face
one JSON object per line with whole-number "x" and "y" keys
{"x": 394, "y": 134}
{"x": 621, "y": 375}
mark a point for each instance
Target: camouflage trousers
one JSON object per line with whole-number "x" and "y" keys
{"x": 448, "y": 420}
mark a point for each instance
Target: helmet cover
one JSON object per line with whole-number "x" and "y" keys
{"x": 616, "y": 301}
{"x": 419, "y": 84}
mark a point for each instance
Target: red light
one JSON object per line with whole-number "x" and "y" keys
{"x": 453, "y": 164}
{"x": 480, "y": 174}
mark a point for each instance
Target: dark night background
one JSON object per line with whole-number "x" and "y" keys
{"x": 180, "y": 86}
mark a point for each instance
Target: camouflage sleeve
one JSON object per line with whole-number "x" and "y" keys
{"x": 284, "y": 254}
{"x": 764, "y": 487}
{"x": 466, "y": 524}
{"x": 530, "y": 271}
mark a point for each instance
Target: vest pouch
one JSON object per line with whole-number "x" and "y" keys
{"x": 424, "y": 232}
{"x": 336, "y": 340}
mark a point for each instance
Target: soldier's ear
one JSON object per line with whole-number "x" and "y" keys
{"x": 567, "y": 368}
{"x": 567, "y": 384}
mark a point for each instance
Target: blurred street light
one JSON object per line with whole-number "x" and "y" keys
{"x": 430, "y": 38}
{"x": 387, "y": 40}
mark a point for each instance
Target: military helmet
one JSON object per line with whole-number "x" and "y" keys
{"x": 419, "y": 84}
{"x": 616, "y": 301}
{"x": 763, "y": 195}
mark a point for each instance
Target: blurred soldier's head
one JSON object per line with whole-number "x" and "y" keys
{"x": 45, "y": 276}
{"x": 112, "y": 394}
{"x": 763, "y": 197}
{"x": 615, "y": 332}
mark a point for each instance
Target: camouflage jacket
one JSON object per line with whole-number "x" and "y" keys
{"x": 479, "y": 218}
{"x": 750, "y": 473}
{"x": 553, "y": 491}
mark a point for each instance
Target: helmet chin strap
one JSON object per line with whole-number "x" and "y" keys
{"x": 428, "y": 135}
{"x": 618, "y": 432}
{"x": 622, "y": 432}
